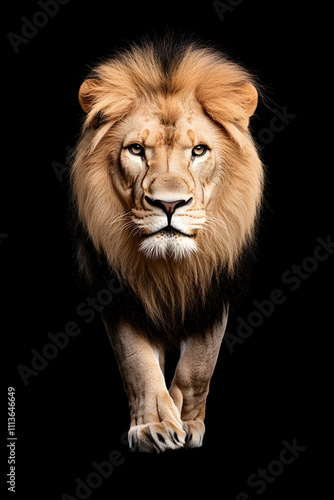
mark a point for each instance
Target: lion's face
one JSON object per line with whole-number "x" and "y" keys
{"x": 168, "y": 170}
{"x": 167, "y": 182}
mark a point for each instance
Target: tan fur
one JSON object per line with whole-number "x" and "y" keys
{"x": 164, "y": 419}
{"x": 125, "y": 203}
{"x": 131, "y": 93}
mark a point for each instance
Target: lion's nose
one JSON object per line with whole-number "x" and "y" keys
{"x": 168, "y": 207}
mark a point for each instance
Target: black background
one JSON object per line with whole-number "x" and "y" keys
{"x": 273, "y": 387}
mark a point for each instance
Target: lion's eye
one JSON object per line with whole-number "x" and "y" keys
{"x": 199, "y": 150}
{"x": 136, "y": 149}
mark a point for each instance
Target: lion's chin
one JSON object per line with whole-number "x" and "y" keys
{"x": 167, "y": 246}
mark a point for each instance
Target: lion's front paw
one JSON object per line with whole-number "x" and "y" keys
{"x": 156, "y": 437}
{"x": 195, "y": 430}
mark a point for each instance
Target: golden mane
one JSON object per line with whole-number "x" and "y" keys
{"x": 152, "y": 74}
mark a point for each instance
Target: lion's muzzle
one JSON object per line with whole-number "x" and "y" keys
{"x": 168, "y": 207}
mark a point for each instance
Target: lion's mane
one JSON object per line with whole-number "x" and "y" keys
{"x": 162, "y": 292}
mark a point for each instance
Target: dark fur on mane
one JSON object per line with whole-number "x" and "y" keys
{"x": 176, "y": 67}
{"x": 226, "y": 291}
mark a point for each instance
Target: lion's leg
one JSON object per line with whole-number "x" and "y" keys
{"x": 155, "y": 420}
{"x": 190, "y": 385}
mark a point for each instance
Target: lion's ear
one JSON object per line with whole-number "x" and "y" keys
{"x": 249, "y": 98}
{"x": 107, "y": 98}
{"x": 87, "y": 92}
{"x": 229, "y": 104}
{"x": 246, "y": 100}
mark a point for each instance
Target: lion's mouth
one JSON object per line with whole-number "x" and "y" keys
{"x": 168, "y": 231}
{"x": 168, "y": 243}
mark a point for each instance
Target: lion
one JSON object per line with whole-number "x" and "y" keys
{"x": 166, "y": 189}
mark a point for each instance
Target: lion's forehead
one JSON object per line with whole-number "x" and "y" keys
{"x": 152, "y": 129}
